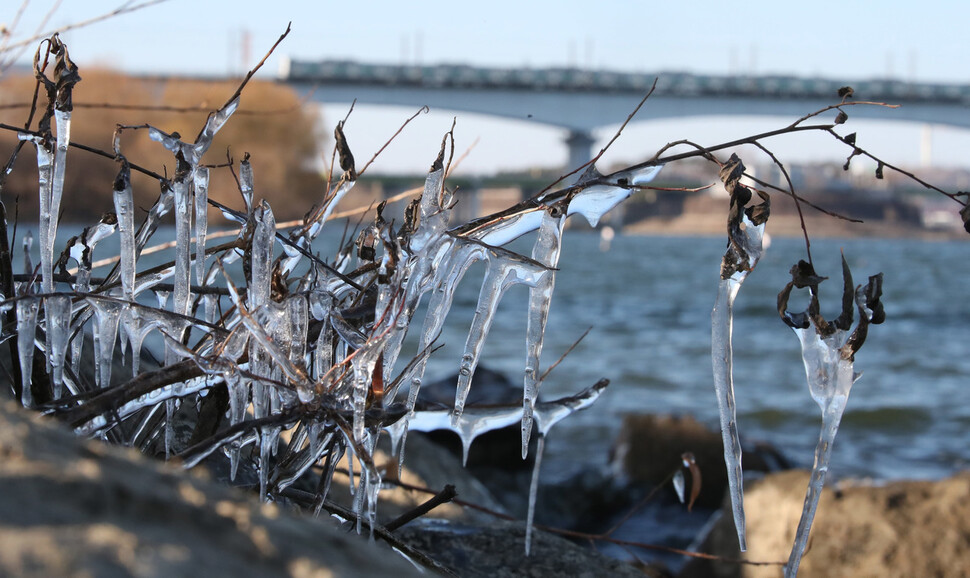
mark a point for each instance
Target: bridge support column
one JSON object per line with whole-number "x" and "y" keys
{"x": 580, "y": 145}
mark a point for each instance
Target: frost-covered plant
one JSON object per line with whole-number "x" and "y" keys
{"x": 271, "y": 338}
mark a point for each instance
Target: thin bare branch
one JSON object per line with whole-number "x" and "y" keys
{"x": 123, "y": 9}
{"x": 423, "y": 109}
{"x": 794, "y": 196}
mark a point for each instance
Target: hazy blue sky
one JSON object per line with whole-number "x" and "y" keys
{"x": 923, "y": 41}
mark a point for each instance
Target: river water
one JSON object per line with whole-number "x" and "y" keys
{"x": 648, "y": 301}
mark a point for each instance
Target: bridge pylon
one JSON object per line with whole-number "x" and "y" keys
{"x": 580, "y": 143}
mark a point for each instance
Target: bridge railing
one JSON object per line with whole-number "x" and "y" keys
{"x": 574, "y": 80}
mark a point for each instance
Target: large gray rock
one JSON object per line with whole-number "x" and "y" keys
{"x": 70, "y": 507}
{"x": 917, "y": 528}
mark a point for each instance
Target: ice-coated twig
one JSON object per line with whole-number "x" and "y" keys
{"x": 828, "y": 352}
{"x": 125, "y": 211}
{"x": 201, "y": 221}
{"x": 183, "y": 222}
{"x": 746, "y": 226}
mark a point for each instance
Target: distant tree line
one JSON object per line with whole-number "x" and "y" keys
{"x": 281, "y": 134}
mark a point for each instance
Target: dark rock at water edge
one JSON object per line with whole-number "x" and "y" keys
{"x": 649, "y": 449}
{"x": 498, "y": 551}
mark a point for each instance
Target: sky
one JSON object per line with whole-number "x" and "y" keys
{"x": 835, "y": 39}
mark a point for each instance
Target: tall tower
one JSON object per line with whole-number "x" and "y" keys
{"x": 926, "y": 147}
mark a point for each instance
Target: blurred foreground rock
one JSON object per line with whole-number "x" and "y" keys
{"x": 71, "y": 507}
{"x": 916, "y": 528}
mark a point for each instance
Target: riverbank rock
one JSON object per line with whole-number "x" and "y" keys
{"x": 915, "y": 528}
{"x": 498, "y": 551}
{"x": 649, "y": 448}
{"x": 71, "y": 507}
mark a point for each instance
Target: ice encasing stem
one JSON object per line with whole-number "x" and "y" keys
{"x": 722, "y": 354}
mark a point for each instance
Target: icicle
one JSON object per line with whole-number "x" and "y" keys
{"x": 26, "y": 331}
{"x": 238, "y": 402}
{"x": 500, "y": 275}
{"x": 268, "y": 438}
{"x": 258, "y": 295}
{"x": 201, "y": 222}
{"x": 260, "y": 350}
{"x": 58, "y": 327}
{"x": 745, "y": 232}
{"x": 146, "y": 281}
{"x": 545, "y": 251}
{"x": 47, "y": 174}
{"x": 828, "y": 352}
{"x": 213, "y": 124}
{"x": 77, "y": 341}
{"x": 548, "y": 415}
{"x": 595, "y": 201}
{"x": 107, "y": 315}
{"x": 533, "y": 494}
{"x": 138, "y": 324}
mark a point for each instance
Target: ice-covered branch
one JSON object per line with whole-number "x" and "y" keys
{"x": 746, "y": 226}
{"x": 828, "y": 352}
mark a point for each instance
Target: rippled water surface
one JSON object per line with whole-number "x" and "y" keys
{"x": 649, "y": 299}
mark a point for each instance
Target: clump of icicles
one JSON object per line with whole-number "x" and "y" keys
{"x": 270, "y": 337}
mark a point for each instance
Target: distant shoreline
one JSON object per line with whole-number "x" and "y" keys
{"x": 785, "y": 226}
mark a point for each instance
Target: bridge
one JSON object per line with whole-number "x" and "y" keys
{"x": 581, "y": 100}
